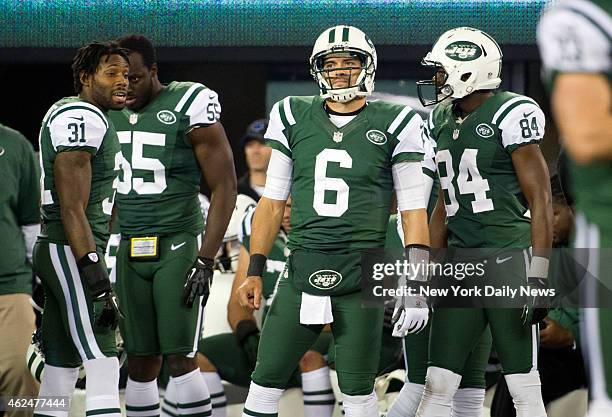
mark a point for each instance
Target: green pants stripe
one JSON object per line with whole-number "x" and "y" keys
{"x": 596, "y": 322}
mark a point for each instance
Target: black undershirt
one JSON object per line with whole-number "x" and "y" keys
{"x": 331, "y": 112}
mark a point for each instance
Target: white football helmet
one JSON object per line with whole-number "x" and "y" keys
{"x": 471, "y": 61}
{"x": 344, "y": 39}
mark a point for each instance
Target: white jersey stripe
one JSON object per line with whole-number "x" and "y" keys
{"x": 186, "y": 96}
{"x": 78, "y": 104}
{"x": 398, "y": 120}
{"x": 591, "y": 315}
{"x": 412, "y": 126}
{"x": 288, "y": 113}
{"x": 276, "y": 127}
{"x": 57, "y": 266}
{"x": 509, "y": 103}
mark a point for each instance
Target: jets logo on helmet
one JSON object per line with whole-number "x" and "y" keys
{"x": 344, "y": 40}
{"x": 465, "y": 60}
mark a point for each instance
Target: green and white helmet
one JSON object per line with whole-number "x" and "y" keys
{"x": 471, "y": 59}
{"x": 344, "y": 39}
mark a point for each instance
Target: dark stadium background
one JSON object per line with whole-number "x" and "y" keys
{"x": 239, "y": 48}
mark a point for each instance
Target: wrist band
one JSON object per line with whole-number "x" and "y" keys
{"x": 206, "y": 262}
{"x": 418, "y": 258}
{"x": 257, "y": 262}
{"x": 538, "y": 268}
{"x": 89, "y": 258}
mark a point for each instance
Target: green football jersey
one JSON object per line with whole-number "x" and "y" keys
{"x": 19, "y": 206}
{"x": 72, "y": 124}
{"x": 574, "y": 37}
{"x": 276, "y": 258}
{"x": 342, "y": 182}
{"x": 160, "y": 180}
{"x": 484, "y": 203}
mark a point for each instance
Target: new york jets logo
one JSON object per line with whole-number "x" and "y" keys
{"x": 484, "y": 130}
{"x": 463, "y": 51}
{"x": 325, "y": 279}
{"x": 376, "y": 137}
{"x": 166, "y": 117}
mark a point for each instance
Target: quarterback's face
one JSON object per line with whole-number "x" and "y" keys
{"x": 110, "y": 82}
{"x": 341, "y": 71}
{"x": 141, "y": 84}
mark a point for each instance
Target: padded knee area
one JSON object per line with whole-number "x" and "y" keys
{"x": 468, "y": 402}
{"x": 440, "y": 388}
{"x": 527, "y": 394}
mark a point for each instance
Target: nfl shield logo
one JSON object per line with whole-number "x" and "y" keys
{"x": 455, "y": 134}
{"x": 133, "y": 118}
{"x": 337, "y": 137}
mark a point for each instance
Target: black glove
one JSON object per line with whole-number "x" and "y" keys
{"x": 105, "y": 305}
{"x": 388, "y": 319}
{"x": 536, "y": 307}
{"x": 199, "y": 281}
{"x": 94, "y": 273}
{"x": 247, "y": 335}
{"x": 106, "y": 310}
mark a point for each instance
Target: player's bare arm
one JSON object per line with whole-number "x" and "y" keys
{"x": 72, "y": 174}
{"x": 437, "y": 225}
{"x": 414, "y": 224}
{"x": 532, "y": 174}
{"x": 266, "y": 225}
{"x": 214, "y": 155}
{"x": 585, "y": 121}
{"x": 235, "y": 311}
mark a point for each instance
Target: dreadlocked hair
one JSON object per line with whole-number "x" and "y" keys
{"x": 88, "y": 58}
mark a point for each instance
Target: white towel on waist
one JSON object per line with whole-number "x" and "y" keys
{"x": 315, "y": 309}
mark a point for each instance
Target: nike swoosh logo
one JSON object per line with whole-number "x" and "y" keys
{"x": 501, "y": 261}
{"x": 77, "y": 118}
{"x": 528, "y": 114}
{"x": 175, "y": 247}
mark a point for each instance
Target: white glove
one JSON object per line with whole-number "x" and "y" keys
{"x": 411, "y": 315}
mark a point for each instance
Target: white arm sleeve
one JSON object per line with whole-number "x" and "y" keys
{"x": 409, "y": 185}
{"x": 30, "y": 233}
{"x": 278, "y": 177}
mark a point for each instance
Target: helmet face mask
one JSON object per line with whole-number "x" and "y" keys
{"x": 344, "y": 42}
{"x": 471, "y": 60}
{"x": 437, "y": 83}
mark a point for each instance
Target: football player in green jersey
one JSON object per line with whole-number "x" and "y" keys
{"x": 232, "y": 356}
{"x": 492, "y": 173}
{"x": 79, "y": 156}
{"x": 170, "y": 135}
{"x": 574, "y": 40}
{"x": 469, "y": 398}
{"x": 342, "y": 158}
